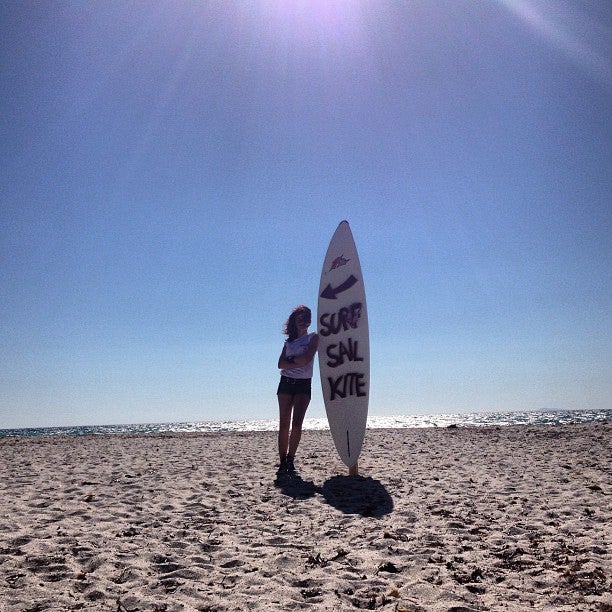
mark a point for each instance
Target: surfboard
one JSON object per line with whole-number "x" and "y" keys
{"x": 344, "y": 347}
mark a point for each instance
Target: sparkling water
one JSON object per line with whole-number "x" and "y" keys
{"x": 476, "y": 419}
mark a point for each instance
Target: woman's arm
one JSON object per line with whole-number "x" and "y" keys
{"x": 308, "y": 356}
{"x": 283, "y": 362}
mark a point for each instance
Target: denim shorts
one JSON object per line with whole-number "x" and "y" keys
{"x": 294, "y": 386}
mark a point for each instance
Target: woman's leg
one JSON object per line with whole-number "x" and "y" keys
{"x": 300, "y": 405}
{"x": 285, "y": 405}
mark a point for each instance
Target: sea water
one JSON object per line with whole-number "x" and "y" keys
{"x": 476, "y": 419}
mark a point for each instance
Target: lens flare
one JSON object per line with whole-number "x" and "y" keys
{"x": 585, "y": 42}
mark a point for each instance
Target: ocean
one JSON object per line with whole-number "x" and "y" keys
{"x": 476, "y": 419}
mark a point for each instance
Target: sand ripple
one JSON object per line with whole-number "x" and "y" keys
{"x": 461, "y": 519}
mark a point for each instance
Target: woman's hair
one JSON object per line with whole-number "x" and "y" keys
{"x": 291, "y": 329}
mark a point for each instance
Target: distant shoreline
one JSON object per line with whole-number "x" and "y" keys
{"x": 479, "y": 419}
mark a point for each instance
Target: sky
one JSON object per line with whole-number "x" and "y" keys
{"x": 173, "y": 171}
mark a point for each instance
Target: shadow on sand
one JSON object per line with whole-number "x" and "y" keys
{"x": 349, "y": 494}
{"x": 358, "y": 495}
{"x": 293, "y": 485}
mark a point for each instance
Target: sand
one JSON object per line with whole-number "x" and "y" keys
{"x": 453, "y": 519}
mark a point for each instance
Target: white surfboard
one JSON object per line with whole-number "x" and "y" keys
{"x": 344, "y": 347}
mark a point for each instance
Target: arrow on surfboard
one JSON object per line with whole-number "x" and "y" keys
{"x": 331, "y": 293}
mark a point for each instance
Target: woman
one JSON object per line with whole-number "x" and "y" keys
{"x": 295, "y": 363}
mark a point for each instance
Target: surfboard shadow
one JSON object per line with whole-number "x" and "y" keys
{"x": 358, "y": 495}
{"x": 296, "y": 487}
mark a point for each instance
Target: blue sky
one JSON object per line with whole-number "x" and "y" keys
{"x": 172, "y": 173}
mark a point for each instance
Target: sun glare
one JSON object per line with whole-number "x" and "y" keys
{"x": 314, "y": 21}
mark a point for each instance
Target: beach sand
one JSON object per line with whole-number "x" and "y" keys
{"x": 453, "y": 519}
